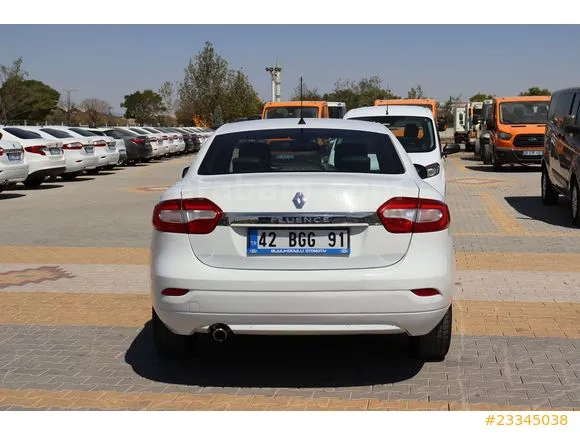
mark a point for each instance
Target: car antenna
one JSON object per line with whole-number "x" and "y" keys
{"x": 387, "y": 105}
{"x": 301, "y": 121}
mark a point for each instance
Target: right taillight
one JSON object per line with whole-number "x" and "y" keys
{"x": 187, "y": 216}
{"x": 414, "y": 215}
{"x": 72, "y": 146}
{"x": 37, "y": 149}
{"x": 1, "y": 151}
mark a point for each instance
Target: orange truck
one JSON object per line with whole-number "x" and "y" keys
{"x": 291, "y": 109}
{"x": 516, "y": 130}
{"x": 429, "y": 103}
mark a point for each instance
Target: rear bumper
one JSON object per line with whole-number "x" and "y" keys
{"x": 13, "y": 174}
{"x": 514, "y": 155}
{"x": 48, "y": 172}
{"x": 343, "y": 301}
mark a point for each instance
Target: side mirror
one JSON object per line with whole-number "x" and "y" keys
{"x": 421, "y": 170}
{"x": 569, "y": 121}
{"x": 489, "y": 124}
{"x": 451, "y": 148}
{"x": 184, "y": 173}
{"x": 571, "y": 129}
{"x": 441, "y": 126}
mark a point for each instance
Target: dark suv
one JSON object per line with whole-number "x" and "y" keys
{"x": 561, "y": 160}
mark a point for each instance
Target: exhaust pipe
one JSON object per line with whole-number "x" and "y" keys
{"x": 220, "y": 333}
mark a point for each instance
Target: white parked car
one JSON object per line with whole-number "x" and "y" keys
{"x": 159, "y": 143}
{"x": 263, "y": 236}
{"x": 45, "y": 157}
{"x": 13, "y": 166}
{"x": 105, "y": 146}
{"x": 170, "y": 146}
{"x": 119, "y": 143}
{"x": 79, "y": 154}
{"x": 416, "y": 130}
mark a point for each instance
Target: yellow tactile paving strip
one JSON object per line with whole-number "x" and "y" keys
{"x": 73, "y": 255}
{"x": 507, "y": 318}
{"x": 522, "y": 261}
{"x": 110, "y": 400}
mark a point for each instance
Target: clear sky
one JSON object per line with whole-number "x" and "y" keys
{"x": 110, "y": 61}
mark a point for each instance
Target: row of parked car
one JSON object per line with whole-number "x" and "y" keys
{"x": 32, "y": 154}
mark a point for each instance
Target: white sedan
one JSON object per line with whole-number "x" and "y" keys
{"x": 263, "y": 235}
{"x": 13, "y": 166}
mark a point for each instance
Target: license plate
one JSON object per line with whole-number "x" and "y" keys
{"x": 312, "y": 241}
{"x": 111, "y": 147}
{"x": 532, "y": 153}
{"x": 55, "y": 151}
{"x": 89, "y": 150}
{"x": 13, "y": 156}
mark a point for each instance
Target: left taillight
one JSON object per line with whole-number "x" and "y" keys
{"x": 1, "y": 151}
{"x": 72, "y": 146}
{"x": 37, "y": 149}
{"x": 414, "y": 215}
{"x": 186, "y": 216}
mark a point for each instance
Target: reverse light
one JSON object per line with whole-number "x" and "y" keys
{"x": 186, "y": 216}
{"x": 504, "y": 136}
{"x": 414, "y": 215}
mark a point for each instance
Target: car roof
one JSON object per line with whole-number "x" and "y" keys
{"x": 284, "y": 123}
{"x": 399, "y": 110}
{"x": 522, "y": 99}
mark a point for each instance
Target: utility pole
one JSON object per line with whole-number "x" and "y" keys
{"x": 68, "y": 103}
{"x": 275, "y": 73}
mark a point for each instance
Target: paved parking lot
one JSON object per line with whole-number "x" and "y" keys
{"x": 75, "y": 331}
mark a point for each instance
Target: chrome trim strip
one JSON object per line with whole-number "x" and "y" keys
{"x": 292, "y": 219}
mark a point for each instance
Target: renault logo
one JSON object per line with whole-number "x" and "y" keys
{"x": 299, "y": 200}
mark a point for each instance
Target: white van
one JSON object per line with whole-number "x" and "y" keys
{"x": 416, "y": 130}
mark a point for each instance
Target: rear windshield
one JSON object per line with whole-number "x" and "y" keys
{"x": 336, "y": 111}
{"x": 415, "y": 133}
{"x": 125, "y": 132}
{"x": 525, "y": 112}
{"x": 22, "y": 134}
{"x": 291, "y": 112}
{"x": 82, "y": 132}
{"x": 149, "y": 130}
{"x": 137, "y": 130}
{"x": 301, "y": 150}
{"x": 56, "y": 133}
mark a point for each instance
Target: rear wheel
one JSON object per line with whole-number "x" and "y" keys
{"x": 70, "y": 176}
{"x": 575, "y": 202}
{"x": 93, "y": 171}
{"x": 435, "y": 345}
{"x": 167, "y": 343}
{"x": 32, "y": 182}
{"x": 549, "y": 194}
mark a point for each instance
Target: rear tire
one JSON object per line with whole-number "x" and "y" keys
{"x": 575, "y": 202}
{"x": 434, "y": 345}
{"x": 549, "y": 194}
{"x": 70, "y": 176}
{"x": 167, "y": 343}
{"x": 33, "y": 182}
{"x": 93, "y": 171}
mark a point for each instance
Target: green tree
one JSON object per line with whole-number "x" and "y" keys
{"x": 534, "y": 92}
{"x": 22, "y": 99}
{"x": 416, "y": 92}
{"x": 307, "y": 93}
{"x": 479, "y": 97}
{"x": 204, "y": 87}
{"x": 145, "y": 107}
{"x": 242, "y": 97}
{"x": 359, "y": 94}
